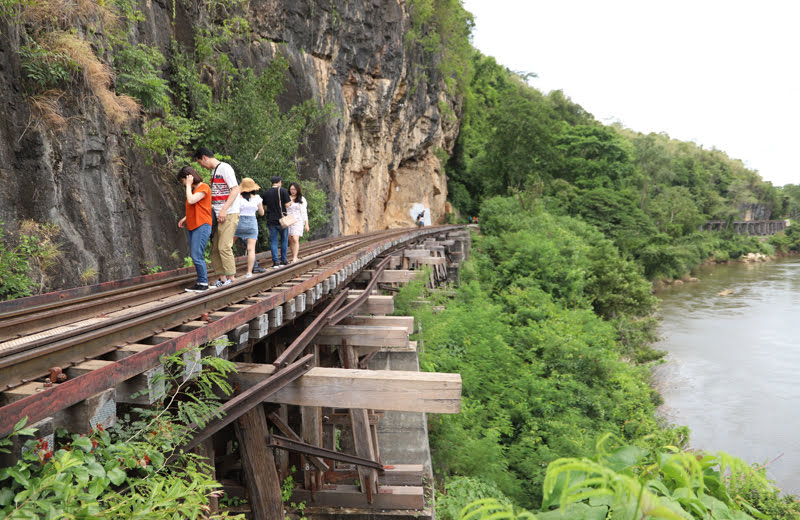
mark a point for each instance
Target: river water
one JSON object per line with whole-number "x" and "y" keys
{"x": 732, "y": 373}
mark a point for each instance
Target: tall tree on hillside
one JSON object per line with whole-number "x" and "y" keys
{"x": 674, "y": 212}
{"x": 653, "y": 161}
{"x": 520, "y": 151}
{"x": 593, "y": 156}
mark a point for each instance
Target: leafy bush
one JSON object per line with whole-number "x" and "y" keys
{"x": 44, "y": 69}
{"x": 129, "y": 471}
{"x": 627, "y": 482}
{"x": 138, "y": 75}
{"x": 25, "y": 261}
{"x": 459, "y": 492}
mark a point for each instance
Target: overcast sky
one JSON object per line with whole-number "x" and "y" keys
{"x": 723, "y": 74}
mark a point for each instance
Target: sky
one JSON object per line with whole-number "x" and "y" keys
{"x": 722, "y": 74}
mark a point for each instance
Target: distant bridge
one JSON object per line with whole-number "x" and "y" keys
{"x": 747, "y": 227}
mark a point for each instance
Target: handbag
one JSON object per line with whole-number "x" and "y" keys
{"x": 286, "y": 220}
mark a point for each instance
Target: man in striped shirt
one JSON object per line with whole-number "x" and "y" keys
{"x": 225, "y": 214}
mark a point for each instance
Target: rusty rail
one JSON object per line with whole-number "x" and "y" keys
{"x": 25, "y": 316}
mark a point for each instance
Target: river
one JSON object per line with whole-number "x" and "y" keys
{"x": 732, "y": 373}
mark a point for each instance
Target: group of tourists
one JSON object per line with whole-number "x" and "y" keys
{"x": 226, "y": 210}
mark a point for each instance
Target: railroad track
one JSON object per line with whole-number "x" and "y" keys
{"x": 67, "y": 330}
{"x": 26, "y": 316}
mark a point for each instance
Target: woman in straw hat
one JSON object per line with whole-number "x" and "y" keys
{"x": 247, "y": 229}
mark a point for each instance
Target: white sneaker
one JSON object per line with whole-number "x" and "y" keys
{"x": 249, "y": 275}
{"x": 220, "y": 283}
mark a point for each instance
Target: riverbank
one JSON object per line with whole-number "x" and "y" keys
{"x": 731, "y": 364}
{"x": 748, "y": 258}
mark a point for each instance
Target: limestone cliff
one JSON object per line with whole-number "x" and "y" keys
{"x": 117, "y": 215}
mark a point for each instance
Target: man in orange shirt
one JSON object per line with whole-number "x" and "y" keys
{"x": 197, "y": 222}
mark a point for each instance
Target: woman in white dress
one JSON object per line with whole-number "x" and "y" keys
{"x": 299, "y": 210}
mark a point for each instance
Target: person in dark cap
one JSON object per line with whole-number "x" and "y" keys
{"x": 276, "y": 200}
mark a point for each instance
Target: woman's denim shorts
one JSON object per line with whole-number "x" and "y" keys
{"x": 247, "y": 228}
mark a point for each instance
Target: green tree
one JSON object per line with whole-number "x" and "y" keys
{"x": 674, "y": 212}
{"x": 593, "y": 156}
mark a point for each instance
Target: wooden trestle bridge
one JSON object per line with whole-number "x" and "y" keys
{"x": 318, "y": 358}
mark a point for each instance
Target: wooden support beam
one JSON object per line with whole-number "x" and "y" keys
{"x": 430, "y": 260}
{"x": 217, "y": 348}
{"x": 417, "y": 253}
{"x": 45, "y": 430}
{"x": 388, "y": 497}
{"x": 342, "y": 419}
{"x": 362, "y": 436}
{"x": 374, "y": 304}
{"x": 259, "y": 327}
{"x": 363, "y": 336}
{"x": 385, "y": 321}
{"x": 261, "y": 476}
{"x": 275, "y": 317}
{"x": 430, "y": 392}
{"x": 20, "y": 392}
{"x": 289, "y": 310}
{"x": 300, "y": 303}
{"x": 402, "y": 475}
{"x": 167, "y": 335}
{"x": 206, "y": 449}
{"x": 239, "y": 337}
{"x": 388, "y": 276}
{"x": 86, "y": 415}
{"x": 145, "y": 388}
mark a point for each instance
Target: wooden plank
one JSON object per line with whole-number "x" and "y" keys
{"x": 388, "y": 276}
{"x": 145, "y": 388}
{"x": 206, "y": 450}
{"x": 388, "y": 497}
{"x": 402, "y": 475}
{"x": 275, "y": 317}
{"x": 387, "y": 321}
{"x": 430, "y": 392}
{"x": 259, "y": 327}
{"x": 263, "y": 485}
{"x": 364, "y": 350}
{"x": 363, "y": 336}
{"x": 431, "y": 260}
{"x": 343, "y": 418}
{"x": 362, "y": 437}
{"x": 417, "y": 253}
{"x": 374, "y": 305}
{"x": 99, "y": 409}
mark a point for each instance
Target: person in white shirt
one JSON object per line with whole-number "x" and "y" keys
{"x": 247, "y": 229}
{"x": 299, "y": 210}
{"x": 225, "y": 214}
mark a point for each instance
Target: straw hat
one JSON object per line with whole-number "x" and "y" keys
{"x": 248, "y": 184}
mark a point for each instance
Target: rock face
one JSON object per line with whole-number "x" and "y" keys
{"x": 376, "y": 160}
{"x": 379, "y": 158}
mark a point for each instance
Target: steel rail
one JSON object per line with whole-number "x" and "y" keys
{"x": 302, "y": 341}
{"x": 355, "y": 304}
{"x": 31, "y": 315}
{"x": 33, "y": 344}
{"x": 275, "y": 441}
{"x": 249, "y": 399}
{"x": 30, "y": 361}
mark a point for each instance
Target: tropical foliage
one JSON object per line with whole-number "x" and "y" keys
{"x": 132, "y": 470}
